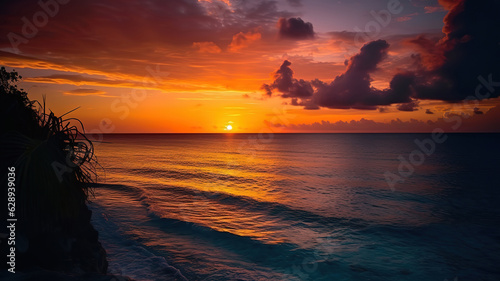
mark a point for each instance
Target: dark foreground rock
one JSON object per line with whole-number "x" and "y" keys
{"x": 71, "y": 246}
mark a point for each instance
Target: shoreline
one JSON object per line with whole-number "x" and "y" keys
{"x": 125, "y": 256}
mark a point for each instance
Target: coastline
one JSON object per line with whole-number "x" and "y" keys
{"x": 127, "y": 257}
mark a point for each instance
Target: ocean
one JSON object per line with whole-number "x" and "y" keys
{"x": 299, "y": 206}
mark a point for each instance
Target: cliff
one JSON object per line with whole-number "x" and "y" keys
{"x": 46, "y": 164}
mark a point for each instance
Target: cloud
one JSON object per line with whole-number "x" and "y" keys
{"x": 429, "y": 57}
{"x": 256, "y": 13}
{"x": 450, "y": 4}
{"x": 76, "y": 79}
{"x": 362, "y": 125}
{"x": 477, "y": 111}
{"x": 125, "y": 41}
{"x": 469, "y": 50}
{"x": 352, "y": 89}
{"x": 227, "y": 2}
{"x": 295, "y": 3}
{"x": 433, "y": 9}
{"x": 464, "y": 63}
{"x": 146, "y": 82}
{"x": 403, "y": 19}
{"x": 242, "y": 40}
{"x": 383, "y": 109}
{"x": 90, "y": 25}
{"x": 409, "y": 106}
{"x": 207, "y": 47}
{"x": 449, "y": 123}
{"x": 406, "y": 18}
{"x": 295, "y": 28}
{"x": 288, "y": 86}
{"x": 86, "y": 92}
{"x": 428, "y": 111}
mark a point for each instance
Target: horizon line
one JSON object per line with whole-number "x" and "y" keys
{"x": 284, "y": 133}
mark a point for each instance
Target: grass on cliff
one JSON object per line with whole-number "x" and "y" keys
{"x": 54, "y": 160}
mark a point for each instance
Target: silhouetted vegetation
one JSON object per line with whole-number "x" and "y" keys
{"x": 52, "y": 156}
{"x": 54, "y": 165}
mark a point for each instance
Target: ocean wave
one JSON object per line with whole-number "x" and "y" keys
{"x": 129, "y": 257}
{"x": 181, "y": 175}
{"x": 274, "y": 209}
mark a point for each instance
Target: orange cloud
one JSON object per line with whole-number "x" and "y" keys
{"x": 207, "y": 47}
{"x": 86, "y": 92}
{"x": 227, "y": 2}
{"x": 406, "y": 18}
{"x": 449, "y": 4}
{"x": 242, "y": 40}
{"x": 431, "y": 56}
{"x": 83, "y": 80}
{"x": 430, "y": 9}
{"x": 403, "y": 19}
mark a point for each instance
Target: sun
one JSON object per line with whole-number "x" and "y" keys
{"x": 229, "y": 126}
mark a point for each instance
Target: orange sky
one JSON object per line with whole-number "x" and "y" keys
{"x": 199, "y": 66}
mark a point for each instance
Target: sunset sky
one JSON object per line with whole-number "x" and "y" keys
{"x": 191, "y": 66}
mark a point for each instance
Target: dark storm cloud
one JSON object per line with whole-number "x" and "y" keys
{"x": 287, "y": 85}
{"x": 449, "y": 70}
{"x": 352, "y": 89}
{"x": 295, "y": 28}
{"x": 409, "y": 106}
{"x": 477, "y": 111}
{"x": 464, "y": 63}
